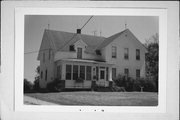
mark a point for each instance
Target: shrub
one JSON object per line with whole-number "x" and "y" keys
{"x": 36, "y": 85}
{"x": 28, "y": 86}
{"x": 56, "y": 85}
{"x": 130, "y": 84}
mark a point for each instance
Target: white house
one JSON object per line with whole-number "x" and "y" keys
{"x": 70, "y": 56}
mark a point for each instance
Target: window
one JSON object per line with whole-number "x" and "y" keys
{"x": 98, "y": 52}
{"x": 68, "y": 72}
{"x": 82, "y": 72}
{"x": 75, "y": 72}
{"x": 126, "y": 72}
{"x": 88, "y": 72}
{"x": 137, "y": 54}
{"x": 43, "y": 57}
{"x": 49, "y": 54}
{"x": 79, "y": 53}
{"x": 114, "y": 52}
{"x": 41, "y": 74}
{"x": 137, "y": 73}
{"x": 59, "y": 72}
{"x": 46, "y": 75}
{"x": 126, "y": 53}
{"x": 113, "y": 73}
{"x": 71, "y": 48}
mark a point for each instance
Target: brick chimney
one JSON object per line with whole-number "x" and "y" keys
{"x": 78, "y": 31}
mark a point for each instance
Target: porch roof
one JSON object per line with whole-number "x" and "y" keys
{"x": 87, "y": 61}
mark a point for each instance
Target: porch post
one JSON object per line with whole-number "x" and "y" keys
{"x": 110, "y": 74}
{"x": 110, "y": 77}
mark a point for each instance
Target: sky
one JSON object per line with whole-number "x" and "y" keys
{"x": 143, "y": 27}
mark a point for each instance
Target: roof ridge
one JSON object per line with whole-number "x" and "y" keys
{"x": 109, "y": 39}
{"x": 73, "y": 33}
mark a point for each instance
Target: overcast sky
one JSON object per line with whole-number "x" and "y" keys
{"x": 142, "y": 27}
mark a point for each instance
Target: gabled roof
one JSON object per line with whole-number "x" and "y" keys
{"x": 110, "y": 39}
{"x": 62, "y": 40}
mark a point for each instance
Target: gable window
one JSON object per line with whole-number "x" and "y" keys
{"x": 79, "y": 53}
{"x": 126, "y": 72}
{"x": 71, "y": 48}
{"x": 114, "y": 51}
{"x": 137, "y": 73}
{"x": 43, "y": 57}
{"x": 68, "y": 72}
{"x": 98, "y": 52}
{"x": 75, "y": 72}
{"x": 137, "y": 54}
{"x": 126, "y": 53}
{"x": 88, "y": 72}
{"x": 82, "y": 72}
{"x": 113, "y": 73}
{"x": 46, "y": 75}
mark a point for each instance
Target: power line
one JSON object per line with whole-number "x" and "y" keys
{"x": 31, "y": 52}
{"x": 75, "y": 34}
{"x": 86, "y": 22}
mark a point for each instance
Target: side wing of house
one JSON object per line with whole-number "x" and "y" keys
{"x": 127, "y": 54}
{"x": 46, "y": 58}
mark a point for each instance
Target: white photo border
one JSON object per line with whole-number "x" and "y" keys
{"x": 20, "y": 13}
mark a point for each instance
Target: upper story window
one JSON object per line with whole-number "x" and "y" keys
{"x": 41, "y": 74}
{"x": 126, "y": 53}
{"x": 71, "y": 48}
{"x": 137, "y": 54}
{"x": 43, "y": 57}
{"x": 79, "y": 53}
{"x": 114, "y": 52}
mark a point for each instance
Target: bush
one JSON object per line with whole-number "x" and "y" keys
{"x": 28, "y": 86}
{"x": 36, "y": 85}
{"x": 56, "y": 85}
{"x": 131, "y": 84}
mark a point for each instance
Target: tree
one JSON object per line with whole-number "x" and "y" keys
{"x": 152, "y": 59}
{"x": 37, "y": 78}
{"x": 27, "y": 86}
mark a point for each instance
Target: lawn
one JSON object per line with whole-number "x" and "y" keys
{"x": 99, "y": 98}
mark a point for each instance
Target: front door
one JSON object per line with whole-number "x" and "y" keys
{"x": 102, "y": 76}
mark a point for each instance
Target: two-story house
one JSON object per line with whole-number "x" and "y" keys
{"x": 70, "y": 56}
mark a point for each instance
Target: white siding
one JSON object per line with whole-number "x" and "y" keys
{"x": 120, "y": 63}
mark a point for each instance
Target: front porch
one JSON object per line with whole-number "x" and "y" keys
{"x": 83, "y": 74}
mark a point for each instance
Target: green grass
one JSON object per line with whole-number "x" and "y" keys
{"x": 99, "y": 98}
